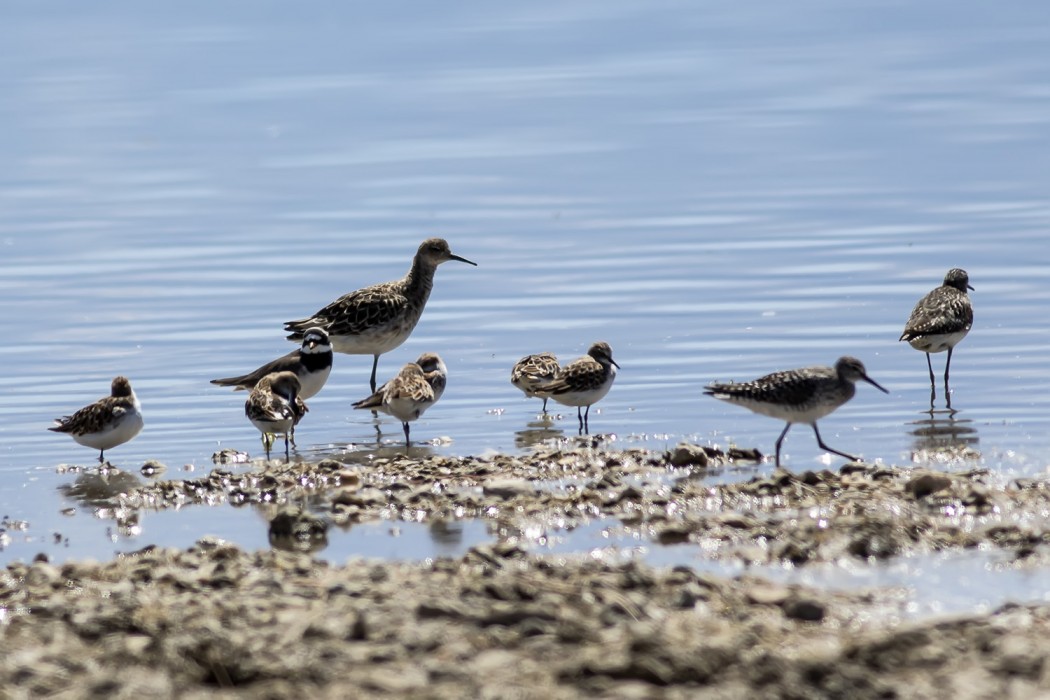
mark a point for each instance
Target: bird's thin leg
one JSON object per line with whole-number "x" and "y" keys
{"x": 579, "y": 417}
{"x": 947, "y": 366}
{"x": 293, "y": 437}
{"x": 587, "y": 421}
{"x": 375, "y": 366}
{"x": 929, "y": 364}
{"x": 545, "y": 407}
{"x": 408, "y": 441}
{"x": 100, "y": 456}
{"x": 780, "y": 441}
{"x": 287, "y": 451}
{"x": 820, "y": 441}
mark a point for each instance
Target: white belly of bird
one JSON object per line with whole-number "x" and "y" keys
{"x": 277, "y": 427}
{"x": 937, "y": 343}
{"x": 585, "y": 398}
{"x": 313, "y": 383}
{"x": 129, "y": 425}
{"x": 377, "y": 341}
{"x": 406, "y": 410}
{"x": 807, "y": 414}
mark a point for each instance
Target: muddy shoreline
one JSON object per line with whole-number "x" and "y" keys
{"x": 504, "y": 621}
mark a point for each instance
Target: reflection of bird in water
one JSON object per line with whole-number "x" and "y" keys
{"x": 537, "y": 432}
{"x": 100, "y": 488}
{"x": 446, "y": 533}
{"x": 944, "y": 434}
{"x": 296, "y": 530}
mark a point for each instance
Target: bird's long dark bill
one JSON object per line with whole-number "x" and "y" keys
{"x": 456, "y": 257}
{"x": 970, "y": 287}
{"x": 614, "y": 363}
{"x": 875, "y": 384}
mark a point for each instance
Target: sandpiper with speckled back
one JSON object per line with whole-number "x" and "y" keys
{"x": 375, "y": 320}
{"x": 533, "y": 373}
{"x": 106, "y": 423}
{"x": 585, "y": 381}
{"x": 798, "y": 395}
{"x": 274, "y": 408}
{"x": 417, "y": 387}
{"x": 940, "y": 320}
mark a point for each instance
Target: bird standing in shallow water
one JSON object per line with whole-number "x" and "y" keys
{"x": 585, "y": 381}
{"x": 312, "y": 363}
{"x": 274, "y": 408}
{"x": 110, "y": 421}
{"x": 939, "y": 322}
{"x": 375, "y": 320}
{"x": 411, "y": 392}
{"x": 533, "y": 373}
{"x": 798, "y": 395}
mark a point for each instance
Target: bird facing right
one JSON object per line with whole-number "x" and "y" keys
{"x": 533, "y": 373}
{"x": 585, "y": 381}
{"x": 798, "y": 395}
{"x": 106, "y": 423}
{"x": 407, "y": 396}
{"x": 940, "y": 321}
{"x": 374, "y": 320}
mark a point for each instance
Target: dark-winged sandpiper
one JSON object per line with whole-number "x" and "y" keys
{"x": 377, "y": 319}
{"x": 312, "y": 363}
{"x": 108, "y": 422}
{"x": 940, "y": 320}
{"x": 410, "y": 393}
{"x": 585, "y": 381}
{"x": 533, "y": 373}
{"x": 274, "y": 408}
{"x": 798, "y": 395}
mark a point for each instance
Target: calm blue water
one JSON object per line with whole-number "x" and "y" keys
{"x": 719, "y": 191}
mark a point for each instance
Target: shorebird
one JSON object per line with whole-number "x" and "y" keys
{"x": 377, "y": 319}
{"x": 533, "y": 373}
{"x": 940, "y": 320}
{"x": 312, "y": 363}
{"x": 108, "y": 422}
{"x": 274, "y": 408}
{"x": 798, "y": 395}
{"x": 435, "y": 371}
{"x": 410, "y": 393}
{"x": 585, "y": 381}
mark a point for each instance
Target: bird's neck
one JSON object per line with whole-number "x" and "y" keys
{"x": 420, "y": 279}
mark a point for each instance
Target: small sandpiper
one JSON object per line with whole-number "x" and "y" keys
{"x": 108, "y": 422}
{"x": 798, "y": 395}
{"x": 533, "y": 373}
{"x": 940, "y": 320}
{"x": 312, "y": 363}
{"x": 377, "y": 319}
{"x": 274, "y": 408}
{"x": 435, "y": 371}
{"x": 585, "y": 381}
{"x": 409, "y": 394}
